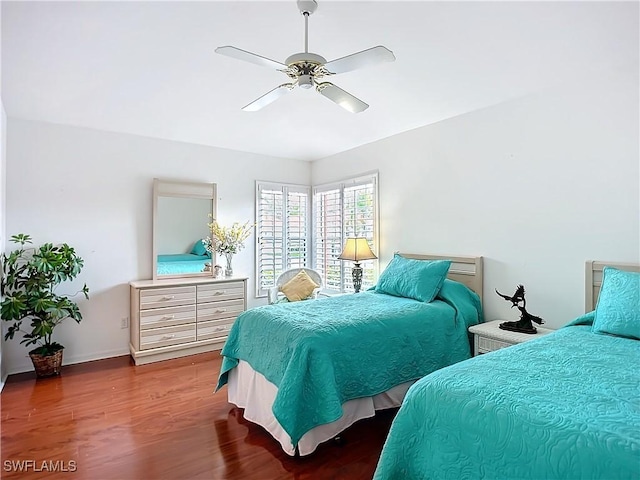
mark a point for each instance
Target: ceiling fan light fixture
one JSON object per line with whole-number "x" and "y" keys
{"x": 305, "y": 81}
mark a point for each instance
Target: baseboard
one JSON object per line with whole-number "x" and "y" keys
{"x": 70, "y": 360}
{"x": 3, "y": 380}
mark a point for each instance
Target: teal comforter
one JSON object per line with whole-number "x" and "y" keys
{"x": 181, "y": 263}
{"x": 324, "y": 352}
{"x": 565, "y": 406}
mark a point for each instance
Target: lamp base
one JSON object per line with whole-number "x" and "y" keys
{"x": 356, "y": 272}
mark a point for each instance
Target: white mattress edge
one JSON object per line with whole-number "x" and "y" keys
{"x": 251, "y": 391}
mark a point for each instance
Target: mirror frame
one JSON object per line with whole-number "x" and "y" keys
{"x": 181, "y": 189}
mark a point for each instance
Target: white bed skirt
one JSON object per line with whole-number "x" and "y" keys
{"x": 249, "y": 389}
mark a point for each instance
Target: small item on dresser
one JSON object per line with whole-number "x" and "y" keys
{"x": 217, "y": 269}
{"x": 523, "y": 325}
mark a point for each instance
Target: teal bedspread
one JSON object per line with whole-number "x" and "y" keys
{"x": 181, "y": 263}
{"x": 324, "y": 352}
{"x": 565, "y": 406}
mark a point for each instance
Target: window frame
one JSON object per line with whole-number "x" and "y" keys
{"x": 341, "y": 185}
{"x": 311, "y": 222}
{"x": 285, "y": 188}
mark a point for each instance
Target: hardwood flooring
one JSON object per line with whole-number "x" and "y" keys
{"x": 109, "y": 419}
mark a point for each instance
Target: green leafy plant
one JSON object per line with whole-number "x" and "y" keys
{"x": 30, "y": 276}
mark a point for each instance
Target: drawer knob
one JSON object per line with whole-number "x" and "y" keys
{"x": 221, "y": 310}
{"x": 168, "y": 297}
{"x": 219, "y": 292}
{"x": 218, "y": 329}
{"x": 168, "y": 317}
{"x": 167, "y": 337}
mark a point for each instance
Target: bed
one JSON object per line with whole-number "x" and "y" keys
{"x": 307, "y": 370}
{"x": 181, "y": 263}
{"x": 564, "y": 406}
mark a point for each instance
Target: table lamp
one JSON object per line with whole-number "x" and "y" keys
{"x": 357, "y": 249}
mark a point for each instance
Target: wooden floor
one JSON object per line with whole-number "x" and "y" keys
{"x": 112, "y": 420}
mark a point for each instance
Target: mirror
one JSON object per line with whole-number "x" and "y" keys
{"x": 181, "y": 213}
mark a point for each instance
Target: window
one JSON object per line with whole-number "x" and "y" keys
{"x": 342, "y": 210}
{"x": 282, "y": 231}
{"x": 286, "y": 237}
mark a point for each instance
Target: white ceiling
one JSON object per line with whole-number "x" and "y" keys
{"x": 149, "y": 68}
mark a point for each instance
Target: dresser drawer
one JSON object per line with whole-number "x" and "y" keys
{"x": 162, "y": 337}
{"x": 167, "y": 317}
{"x": 214, "y": 329}
{"x": 167, "y": 297}
{"x": 218, "y": 310}
{"x": 489, "y": 344}
{"x": 220, "y": 291}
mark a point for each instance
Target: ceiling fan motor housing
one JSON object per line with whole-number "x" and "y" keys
{"x": 305, "y": 58}
{"x": 304, "y": 68}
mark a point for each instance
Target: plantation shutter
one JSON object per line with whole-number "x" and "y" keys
{"x": 359, "y": 221}
{"x": 282, "y": 231}
{"x": 347, "y": 209}
{"x": 328, "y": 237}
{"x": 297, "y": 229}
{"x": 270, "y": 236}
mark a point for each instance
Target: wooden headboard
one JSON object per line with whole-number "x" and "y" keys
{"x": 593, "y": 277}
{"x": 466, "y": 270}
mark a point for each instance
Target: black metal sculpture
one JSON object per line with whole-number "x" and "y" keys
{"x": 523, "y": 325}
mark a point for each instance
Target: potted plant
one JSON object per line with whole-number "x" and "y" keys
{"x": 30, "y": 276}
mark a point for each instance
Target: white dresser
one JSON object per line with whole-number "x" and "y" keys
{"x": 179, "y": 317}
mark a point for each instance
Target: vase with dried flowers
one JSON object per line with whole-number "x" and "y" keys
{"x": 227, "y": 241}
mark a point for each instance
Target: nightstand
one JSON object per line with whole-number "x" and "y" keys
{"x": 488, "y": 337}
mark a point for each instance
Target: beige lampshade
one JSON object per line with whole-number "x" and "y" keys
{"x": 357, "y": 249}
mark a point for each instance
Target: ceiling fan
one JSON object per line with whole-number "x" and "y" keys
{"x": 306, "y": 70}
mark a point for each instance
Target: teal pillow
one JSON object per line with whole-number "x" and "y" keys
{"x": 417, "y": 279}
{"x": 199, "y": 248}
{"x": 618, "y": 308}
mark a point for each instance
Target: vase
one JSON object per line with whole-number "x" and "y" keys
{"x": 228, "y": 271}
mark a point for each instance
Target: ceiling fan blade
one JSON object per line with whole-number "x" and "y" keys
{"x": 239, "y": 54}
{"x": 269, "y": 97}
{"x": 342, "y": 98}
{"x": 365, "y": 58}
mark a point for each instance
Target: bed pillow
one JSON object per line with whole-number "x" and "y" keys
{"x": 417, "y": 279}
{"x": 618, "y": 308}
{"x": 199, "y": 248}
{"x": 299, "y": 287}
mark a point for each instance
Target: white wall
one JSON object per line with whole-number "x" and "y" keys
{"x": 3, "y": 164}
{"x": 93, "y": 190}
{"x": 3, "y": 169}
{"x": 537, "y": 186}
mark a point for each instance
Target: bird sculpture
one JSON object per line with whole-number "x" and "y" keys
{"x": 524, "y": 325}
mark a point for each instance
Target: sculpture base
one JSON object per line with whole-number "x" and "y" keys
{"x": 518, "y": 327}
